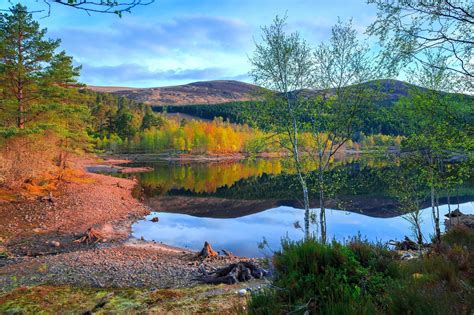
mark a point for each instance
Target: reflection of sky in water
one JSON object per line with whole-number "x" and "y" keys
{"x": 242, "y": 235}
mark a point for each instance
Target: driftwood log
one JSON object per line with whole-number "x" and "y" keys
{"x": 90, "y": 236}
{"x": 207, "y": 251}
{"x": 406, "y": 244}
{"x": 234, "y": 273}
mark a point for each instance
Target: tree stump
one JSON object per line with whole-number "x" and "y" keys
{"x": 207, "y": 251}
{"x": 91, "y": 236}
{"x": 454, "y": 214}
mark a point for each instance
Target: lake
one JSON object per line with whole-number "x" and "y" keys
{"x": 236, "y": 205}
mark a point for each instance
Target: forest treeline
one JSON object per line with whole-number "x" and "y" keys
{"x": 383, "y": 118}
{"x": 47, "y": 115}
{"x": 219, "y": 137}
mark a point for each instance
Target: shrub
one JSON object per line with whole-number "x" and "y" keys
{"x": 363, "y": 278}
{"x": 321, "y": 278}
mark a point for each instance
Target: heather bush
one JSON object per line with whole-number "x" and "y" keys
{"x": 358, "y": 277}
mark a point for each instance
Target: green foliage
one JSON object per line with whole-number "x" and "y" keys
{"x": 232, "y": 111}
{"x": 363, "y": 278}
{"x": 325, "y": 278}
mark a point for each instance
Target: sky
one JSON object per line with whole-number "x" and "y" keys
{"x": 172, "y": 42}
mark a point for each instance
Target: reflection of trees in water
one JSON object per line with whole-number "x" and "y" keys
{"x": 254, "y": 179}
{"x": 274, "y": 179}
{"x": 206, "y": 177}
{"x": 209, "y": 177}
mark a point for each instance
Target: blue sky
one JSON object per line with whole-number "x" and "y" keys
{"x": 180, "y": 41}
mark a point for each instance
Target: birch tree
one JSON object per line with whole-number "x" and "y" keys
{"x": 282, "y": 63}
{"x": 410, "y": 28}
{"x": 342, "y": 68}
{"x": 438, "y": 125}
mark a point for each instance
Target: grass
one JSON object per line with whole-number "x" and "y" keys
{"x": 49, "y": 299}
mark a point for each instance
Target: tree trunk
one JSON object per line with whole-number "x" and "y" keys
{"x": 21, "y": 112}
{"x": 306, "y": 205}
{"x": 449, "y": 206}
{"x": 438, "y": 230}
{"x": 301, "y": 179}
{"x": 322, "y": 205}
{"x": 433, "y": 212}
{"x": 19, "y": 92}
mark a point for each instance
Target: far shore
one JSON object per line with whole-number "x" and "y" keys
{"x": 123, "y": 158}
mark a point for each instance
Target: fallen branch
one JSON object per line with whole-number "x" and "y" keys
{"x": 91, "y": 236}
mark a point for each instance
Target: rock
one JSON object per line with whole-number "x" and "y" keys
{"x": 242, "y": 292}
{"x": 407, "y": 256}
{"x": 454, "y": 214}
{"x": 55, "y": 243}
{"x": 466, "y": 220}
{"x": 155, "y": 219}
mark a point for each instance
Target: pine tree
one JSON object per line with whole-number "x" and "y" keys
{"x": 24, "y": 56}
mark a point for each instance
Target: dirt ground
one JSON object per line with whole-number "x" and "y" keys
{"x": 37, "y": 245}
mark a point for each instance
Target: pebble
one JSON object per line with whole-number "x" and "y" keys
{"x": 242, "y": 292}
{"x": 55, "y": 243}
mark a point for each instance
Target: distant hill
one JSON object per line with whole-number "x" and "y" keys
{"x": 206, "y": 92}
{"x": 225, "y": 91}
{"x": 390, "y": 91}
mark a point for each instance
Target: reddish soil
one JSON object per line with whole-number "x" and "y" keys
{"x": 82, "y": 201}
{"x": 39, "y": 239}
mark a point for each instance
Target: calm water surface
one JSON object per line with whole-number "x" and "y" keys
{"x": 235, "y": 205}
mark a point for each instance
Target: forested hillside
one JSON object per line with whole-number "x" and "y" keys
{"x": 384, "y": 116}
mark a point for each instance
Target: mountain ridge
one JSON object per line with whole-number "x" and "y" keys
{"x": 226, "y": 91}
{"x": 201, "y": 92}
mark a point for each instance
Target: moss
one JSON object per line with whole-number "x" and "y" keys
{"x": 47, "y": 299}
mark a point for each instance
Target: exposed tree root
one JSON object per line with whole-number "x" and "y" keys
{"x": 91, "y": 236}
{"x": 234, "y": 273}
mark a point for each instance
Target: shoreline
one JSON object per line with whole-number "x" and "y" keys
{"x": 41, "y": 233}
{"x": 122, "y": 158}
